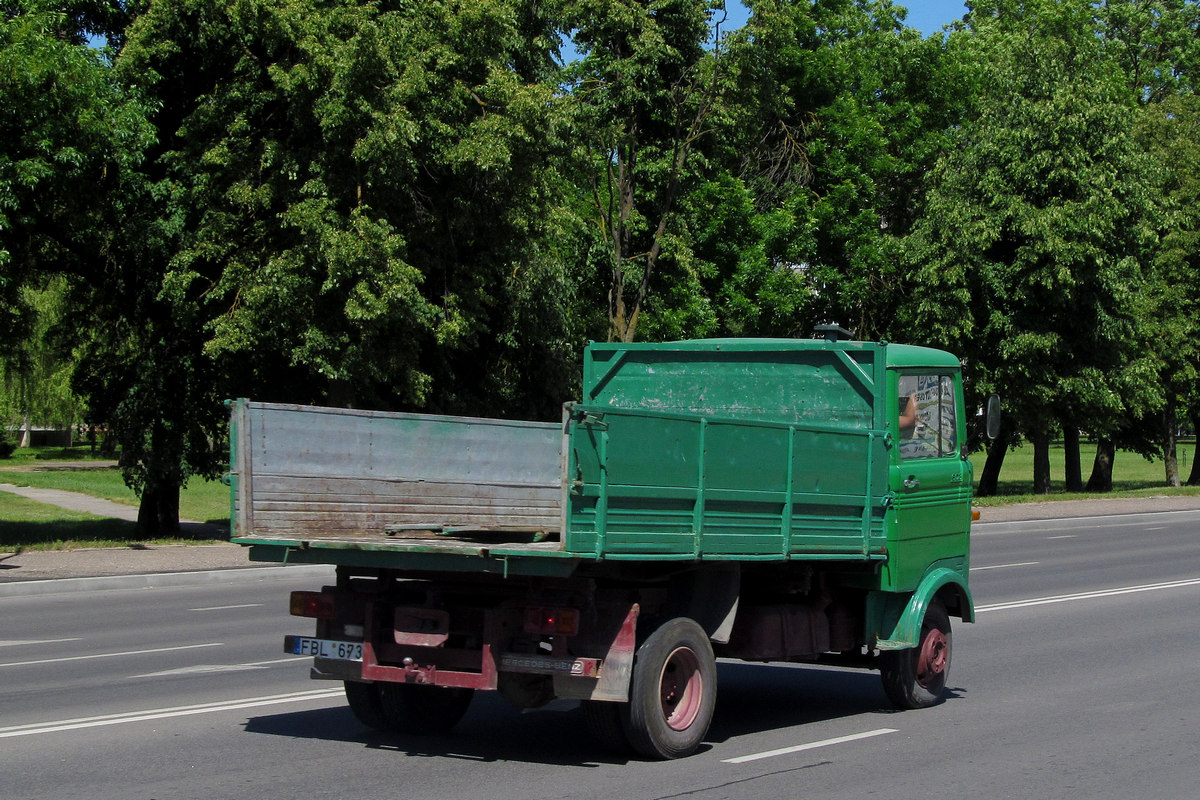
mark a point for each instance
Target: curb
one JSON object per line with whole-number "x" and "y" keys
{"x": 1051, "y": 510}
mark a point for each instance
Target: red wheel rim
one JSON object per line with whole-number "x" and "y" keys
{"x": 681, "y": 689}
{"x": 931, "y": 662}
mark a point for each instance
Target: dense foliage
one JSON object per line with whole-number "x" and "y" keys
{"x": 432, "y": 205}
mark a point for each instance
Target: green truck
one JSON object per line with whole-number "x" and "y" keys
{"x": 756, "y": 499}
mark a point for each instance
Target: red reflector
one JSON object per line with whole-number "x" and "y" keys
{"x": 317, "y": 605}
{"x": 551, "y": 621}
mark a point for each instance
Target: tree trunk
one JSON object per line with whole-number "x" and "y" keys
{"x": 108, "y": 444}
{"x": 1041, "y": 462}
{"x": 168, "y": 510}
{"x": 147, "y": 520}
{"x": 989, "y": 478}
{"x": 1102, "y": 467}
{"x": 1074, "y": 472}
{"x": 1194, "y": 476}
{"x": 1170, "y": 456}
{"x": 158, "y": 512}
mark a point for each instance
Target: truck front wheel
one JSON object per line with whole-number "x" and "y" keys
{"x": 672, "y": 691}
{"x": 916, "y": 677}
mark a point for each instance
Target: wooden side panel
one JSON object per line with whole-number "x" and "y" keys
{"x": 305, "y": 473}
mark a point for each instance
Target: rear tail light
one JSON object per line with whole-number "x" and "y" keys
{"x": 317, "y": 605}
{"x": 551, "y": 621}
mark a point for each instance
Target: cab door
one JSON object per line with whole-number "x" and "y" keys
{"x": 930, "y": 478}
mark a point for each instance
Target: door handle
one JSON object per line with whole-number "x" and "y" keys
{"x": 912, "y": 483}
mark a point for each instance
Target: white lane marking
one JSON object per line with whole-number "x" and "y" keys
{"x": 199, "y": 669}
{"x": 986, "y": 527}
{"x": 164, "y": 713}
{"x": 19, "y": 642}
{"x": 1006, "y": 566}
{"x": 1065, "y": 536}
{"x": 288, "y": 660}
{"x": 111, "y": 655}
{"x": 204, "y": 668}
{"x": 227, "y": 608}
{"x": 1067, "y": 598}
{"x": 810, "y": 746}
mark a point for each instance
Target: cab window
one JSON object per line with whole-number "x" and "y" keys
{"x": 927, "y": 425}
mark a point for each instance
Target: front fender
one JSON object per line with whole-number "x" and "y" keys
{"x": 946, "y": 583}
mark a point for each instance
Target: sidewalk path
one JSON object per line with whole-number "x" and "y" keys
{"x": 41, "y": 565}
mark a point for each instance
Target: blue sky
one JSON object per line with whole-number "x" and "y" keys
{"x": 927, "y": 16}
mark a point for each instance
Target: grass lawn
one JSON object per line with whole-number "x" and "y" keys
{"x": 1133, "y": 476}
{"x": 27, "y": 524}
{"x": 204, "y": 501}
{"x": 33, "y": 456}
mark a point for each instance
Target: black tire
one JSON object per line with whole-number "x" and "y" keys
{"x": 916, "y": 677}
{"x": 672, "y": 692}
{"x": 604, "y": 723}
{"x": 365, "y": 702}
{"x": 423, "y": 710}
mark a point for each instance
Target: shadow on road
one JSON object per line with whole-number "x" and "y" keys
{"x": 761, "y": 697}
{"x": 753, "y": 698}
{"x": 491, "y": 731}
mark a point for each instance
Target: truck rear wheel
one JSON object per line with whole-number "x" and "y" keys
{"x": 423, "y": 710}
{"x": 916, "y": 677}
{"x": 364, "y": 701}
{"x": 672, "y": 692}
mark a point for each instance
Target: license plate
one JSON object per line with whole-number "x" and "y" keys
{"x": 323, "y": 648}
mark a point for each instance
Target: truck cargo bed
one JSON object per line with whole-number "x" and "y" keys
{"x": 320, "y": 484}
{"x": 367, "y": 479}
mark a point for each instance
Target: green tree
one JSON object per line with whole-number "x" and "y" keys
{"x": 642, "y": 97}
{"x": 332, "y": 201}
{"x": 1156, "y": 43}
{"x": 67, "y": 136}
{"x": 35, "y": 373}
{"x": 839, "y": 112}
{"x": 70, "y": 140}
{"x": 1032, "y": 250}
{"x": 351, "y": 204}
{"x": 1171, "y": 132}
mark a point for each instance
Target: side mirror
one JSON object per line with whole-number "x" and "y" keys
{"x": 993, "y": 417}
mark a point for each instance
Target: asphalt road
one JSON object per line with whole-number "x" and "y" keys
{"x": 1077, "y": 681}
